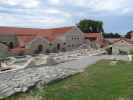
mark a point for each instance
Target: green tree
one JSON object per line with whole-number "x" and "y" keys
{"x": 128, "y": 35}
{"x": 111, "y": 35}
{"x": 87, "y": 25}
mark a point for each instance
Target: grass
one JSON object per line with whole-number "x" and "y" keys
{"x": 101, "y": 81}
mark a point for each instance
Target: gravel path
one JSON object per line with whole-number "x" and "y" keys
{"x": 85, "y": 61}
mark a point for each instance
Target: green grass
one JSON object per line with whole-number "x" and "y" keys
{"x": 101, "y": 81}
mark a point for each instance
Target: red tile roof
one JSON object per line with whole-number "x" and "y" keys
{"x": 102, "y": 43}
{"x": 98, "y": 38}
{"x": 94, "y": 35}
{"x": 23, "y": 40}
{"x": 125, "y": 39}
{"x": 112, "y": 40}
{"x": 19, "y": 50}
{"x": 130, "y": 32}
{"x": 31, "y": 31}
{"x": 25, "y": 35}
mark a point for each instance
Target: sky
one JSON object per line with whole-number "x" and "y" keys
{"x": 117, "y": 15}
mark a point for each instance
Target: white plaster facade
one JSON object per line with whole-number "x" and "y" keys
{"x": 123, "y": 46}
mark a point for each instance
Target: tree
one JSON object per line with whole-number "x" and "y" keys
{"x": 128, "y": 35}
{"x": 111, "y": 35}
{"x": 87, "y": 25}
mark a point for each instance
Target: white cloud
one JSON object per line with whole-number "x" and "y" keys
{"x": 21, "y": 3}
{"x": 48, "y": 20}
{"x": 57, "y": 11}
{"x": 54, "y": 2}
{"x": 30, "y": 21}
{"x": 107, "y": 5}
{"x": 96, "y": 5}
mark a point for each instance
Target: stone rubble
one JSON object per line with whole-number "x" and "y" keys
{"x": 21, "y": 80}
{"x": 69, "y": 63}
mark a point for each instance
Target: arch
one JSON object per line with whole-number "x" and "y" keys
{"x": 58, "y": 46}
{"x": 40, "y": 48}
{"x": 11, "y": 45}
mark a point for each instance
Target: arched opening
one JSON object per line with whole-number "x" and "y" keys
{"x": 58, "y": 46}
{"x": 109, "y": 50}
{"x": 40, "y": 48}
{"x": 11, "y": 45}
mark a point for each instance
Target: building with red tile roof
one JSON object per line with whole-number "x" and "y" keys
{"x": 122, "y": 46}
{"x": 130, "y": 35}
{"x": 96, "y": 37}
{"x": 128, "y": 41}
{"x": 25, "y": 36}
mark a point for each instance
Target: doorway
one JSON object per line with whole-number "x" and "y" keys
{"x": 40, "y": 48}
{"x": 11, "y": 45}
{"x": 58, "y": 46}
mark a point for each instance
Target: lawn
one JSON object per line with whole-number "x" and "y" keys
{"x": 101, "y": 81}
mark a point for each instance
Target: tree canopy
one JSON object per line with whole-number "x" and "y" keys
{"x": 111, "y": 35}
{"x": 128, "y": 35}
{"x": 87, "y": 25}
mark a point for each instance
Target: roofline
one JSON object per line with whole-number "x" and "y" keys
{"x": 125, "y": 39}
{"x": 35, "y": 28}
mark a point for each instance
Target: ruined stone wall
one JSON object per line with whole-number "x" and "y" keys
{"x": 21, "y": 80}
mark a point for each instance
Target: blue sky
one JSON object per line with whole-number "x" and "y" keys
{"x": 117, "y": 15}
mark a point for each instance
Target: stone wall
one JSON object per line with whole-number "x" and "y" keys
{"x": 70, "y": 40}
{"x": 3, "y": 50}
{"x": 35, "y": 43}
{"x": 7, "y": 39}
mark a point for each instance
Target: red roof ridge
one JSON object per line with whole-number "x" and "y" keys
{"x": 35, "y": 28}
{"x": 127, "y": 40}
{"x": 27, "y": 34}
{"x": 92, "y": 32}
